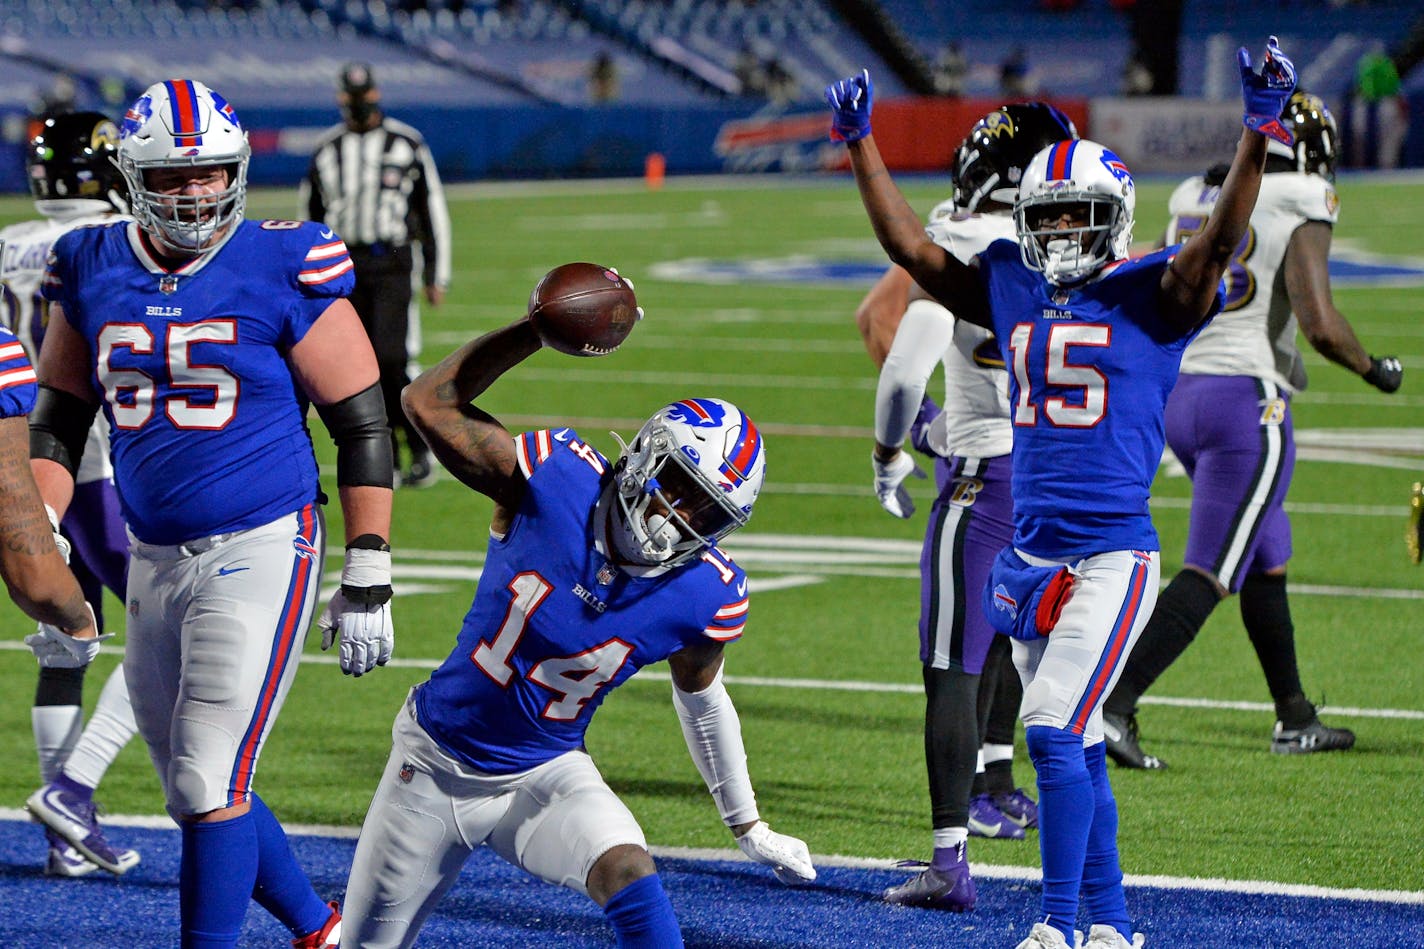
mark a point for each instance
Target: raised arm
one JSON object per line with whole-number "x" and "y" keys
{"x": 470, "y": 442}
{"x": 714, "y": 740}
{"x": 1189, "y": 285}
{"x": 896, "y": 225}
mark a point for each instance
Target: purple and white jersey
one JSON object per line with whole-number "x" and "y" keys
{"x": 26, "y": 253}
{"x": 18, "y": 387}
{"x": 1256, "y": 333}
{"x": 192, "y": 364}
{"x": 1090, "y": 369}
{"x": 555, "y": 626}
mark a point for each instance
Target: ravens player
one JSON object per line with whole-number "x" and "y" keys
{"x": 75, "y": 183}
{"x": 971, "y": 520}
{"x": 594, "y": 570}
{"x": 1093, "y": 343}
{"x": 1229, "y": 423}
{"x": 204, "y": 336}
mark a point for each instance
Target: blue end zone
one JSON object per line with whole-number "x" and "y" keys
{"x": 727, "y": 904}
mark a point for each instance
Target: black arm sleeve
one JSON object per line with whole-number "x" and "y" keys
{"x": 363, "y": 439}
{"x": 59, "y": 427}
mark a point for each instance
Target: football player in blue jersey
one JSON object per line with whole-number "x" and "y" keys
{"x": 972, "y": 690}
{"x": 1093, "y": 343}
{"x": 204, "y": 337}
{"x": 594, "y": 570}
{"x": 75, "y": 183}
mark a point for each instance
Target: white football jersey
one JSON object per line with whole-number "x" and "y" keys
{"x": 975, "y": 422}
{"x": 22, "y": 266}
{"x": 1255, "y": 333}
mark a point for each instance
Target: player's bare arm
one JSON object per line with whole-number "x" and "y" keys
{"x": 61, "y": 370}
{"x": 897, "y": 226}
{"x": 878, "y": 315}
{"x": 32, "y": 567}
{"x": 1307, "y": 281}
{"x": 470, "y": 442}
{"x": 1189, "y": 285}
{"x": 334, "y": 372}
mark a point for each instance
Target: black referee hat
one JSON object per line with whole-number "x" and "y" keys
{"x": 356, "y": 79}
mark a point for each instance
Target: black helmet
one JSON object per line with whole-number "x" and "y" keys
{"x": 71, "y": 157}
{"x": 1316, "y": 138}
{"x": 992, "y": 157}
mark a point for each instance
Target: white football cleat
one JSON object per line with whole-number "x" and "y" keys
{"x": 1105, "y": 937}
{"x": 1044, "y": 936}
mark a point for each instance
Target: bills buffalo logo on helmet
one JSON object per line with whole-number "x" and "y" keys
{"x": 699, "y": 413}
{"x": 138, "y": 114}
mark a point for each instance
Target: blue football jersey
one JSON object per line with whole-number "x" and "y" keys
{"x": 17, "y": 378}
{"x": 555, "y": 626}
{"x": 208, "y": 424}
{"x": 1090, "y": 369}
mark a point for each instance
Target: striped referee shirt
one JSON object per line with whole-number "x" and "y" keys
{"x": 381, "y": 187}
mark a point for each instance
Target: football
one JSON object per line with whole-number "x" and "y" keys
{"x": 583, "y": 309}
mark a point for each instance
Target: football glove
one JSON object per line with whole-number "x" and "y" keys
{"x": 1385, "y": 373}
{"x": 1266, "y": 93}
{"x": 359, "y": 614}
{"x": 614, "y": 271}
{"x": 788, "y": 857}
{"x": 890, "y": 483}
{"x": 850, "y": 107}
{"x": 56, "y": 649}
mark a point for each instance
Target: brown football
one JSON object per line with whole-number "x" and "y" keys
{"x": 583, "y": 309}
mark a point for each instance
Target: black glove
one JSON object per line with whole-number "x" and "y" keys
{"x": 1385, "y": 373}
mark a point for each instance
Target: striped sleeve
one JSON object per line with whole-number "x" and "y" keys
{"x": 729, "y": 621}
{"x": 327, "y": 269}
{"x": 532, "y": 449}
{"x": 18, "y": 386}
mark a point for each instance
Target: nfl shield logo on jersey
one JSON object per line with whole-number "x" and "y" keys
{"x": 167, "y": 284}
{"x": 407, "y": 772}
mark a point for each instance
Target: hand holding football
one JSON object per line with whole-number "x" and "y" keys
{"x": 583, "y": 309}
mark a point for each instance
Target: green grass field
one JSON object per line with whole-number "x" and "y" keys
{"x": 841, "y": 766}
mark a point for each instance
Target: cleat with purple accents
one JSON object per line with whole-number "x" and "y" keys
{"x": 986, "y": 820}
{"x": 1018, "y": 807}
{"x": 76, "y": 821}
{"x": 63, "y": 860}
{"x": 950, "y": 889}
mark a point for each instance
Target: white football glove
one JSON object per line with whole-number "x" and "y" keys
{"x": 788, "y": 857}
{"x": 614, "y": 270}
{"x": 60, "y": 540}
{"x": 359, "y": 614}
{"x": 889, "y": 483}
{"x": 56, "y": 649}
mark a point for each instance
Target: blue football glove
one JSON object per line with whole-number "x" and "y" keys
{"x": 1267, "y": 92}
{"x": 850, "y": 107}
{"x": 920, "y": 427}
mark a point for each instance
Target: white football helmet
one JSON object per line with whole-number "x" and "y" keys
{"x": 1079, "y": 177}
{"x": 183, "y": 124}
{"x": 702, "y": 461}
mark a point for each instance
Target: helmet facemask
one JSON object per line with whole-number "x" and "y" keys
{"x": 676, "y": 493}
{"x": 1067, "y": 255}
{"x": 183, "y": 126}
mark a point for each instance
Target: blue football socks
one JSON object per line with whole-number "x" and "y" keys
{"x": 1102, "y": 874}
{"x": 282, "y": 889}
{"x": 642, "y": 917}
{"x": 1065, "y": 814}
{"x": 215, "y": 882}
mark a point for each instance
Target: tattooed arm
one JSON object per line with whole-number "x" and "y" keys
{"x": 470, "y": 442}
{"x": 34, "y": 572}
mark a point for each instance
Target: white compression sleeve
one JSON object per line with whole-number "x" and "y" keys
{"x": 714, "y": 739}
{"x": 925, "y": 333}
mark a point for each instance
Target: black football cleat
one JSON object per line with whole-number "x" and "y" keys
{"x": 1123, "y": 748}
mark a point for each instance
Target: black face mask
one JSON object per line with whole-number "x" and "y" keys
{"x": 359, "y": 111}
